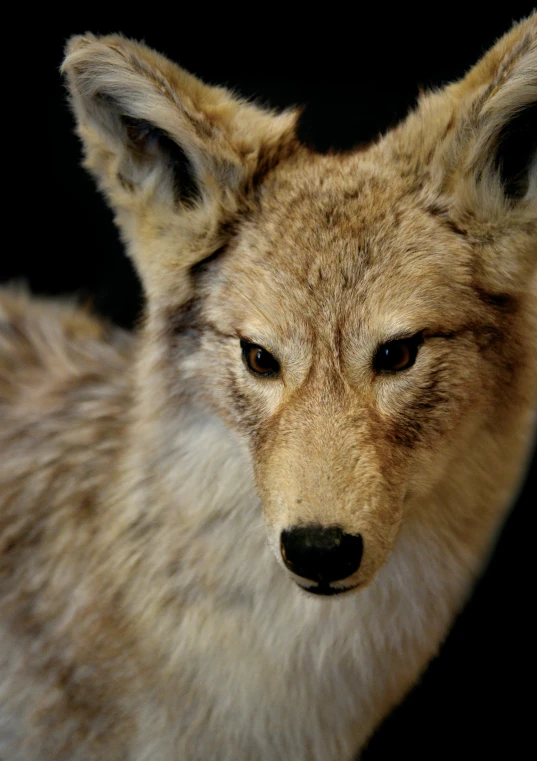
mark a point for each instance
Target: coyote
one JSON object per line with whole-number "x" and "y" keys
{"x": 242, "y": 533}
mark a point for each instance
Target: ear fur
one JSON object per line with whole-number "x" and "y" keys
{"x": 495, "y": 142}
{"x": 477, "y": 140}
{"x": 176, "y": 158}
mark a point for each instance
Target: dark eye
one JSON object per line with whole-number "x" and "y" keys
{"x": 394, "y": 356}
{"x": 259, "y": 360}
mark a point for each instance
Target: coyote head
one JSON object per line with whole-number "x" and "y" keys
{"x": 352, "y": 316}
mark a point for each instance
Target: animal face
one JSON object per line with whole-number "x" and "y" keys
{"x": 350, "y": 316}
{"x": 342, "y": 335}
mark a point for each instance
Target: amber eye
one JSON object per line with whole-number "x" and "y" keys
{"x": 259, "y": 360}
{"x": 394, "y": 356}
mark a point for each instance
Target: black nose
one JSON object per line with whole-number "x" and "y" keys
{"x": 321, "y": 554}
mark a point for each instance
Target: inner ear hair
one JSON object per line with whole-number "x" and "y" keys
{"x": 516, "y": 154}
{"x": 150, "y": 141}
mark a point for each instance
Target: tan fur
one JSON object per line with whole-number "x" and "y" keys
{"x": 144, "y": 615}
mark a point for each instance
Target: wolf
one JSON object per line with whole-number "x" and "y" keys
{"x": 243, "y": 531}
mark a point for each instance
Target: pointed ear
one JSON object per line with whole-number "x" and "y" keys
{"x": 176, "y": 159}
{"x": 495, "y": 141}
{"x": 487, "y": 156}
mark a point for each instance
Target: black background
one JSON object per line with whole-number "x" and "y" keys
{"x": 358, "y": 71}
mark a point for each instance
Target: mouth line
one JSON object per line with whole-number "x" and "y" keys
{"x": 326, "y": 590}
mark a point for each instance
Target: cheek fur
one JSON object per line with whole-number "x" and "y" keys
{"x": 242, "y": 401}
{"x": 434, "y": 398}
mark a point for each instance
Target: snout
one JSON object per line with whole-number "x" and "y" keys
{"x": 322, "y": 555}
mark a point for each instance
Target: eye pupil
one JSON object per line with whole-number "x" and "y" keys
{"x": 397, "y": 355}
{"x": 258, "y": 360}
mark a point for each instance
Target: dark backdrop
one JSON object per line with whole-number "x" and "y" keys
{"x": 358, "y": 72}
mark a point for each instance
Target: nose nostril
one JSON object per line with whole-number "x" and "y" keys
{"x": 321, "y": 554}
